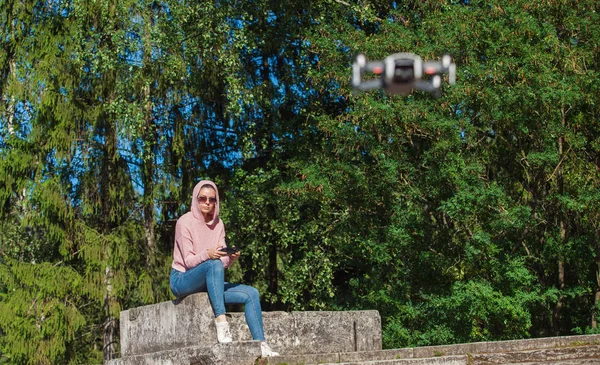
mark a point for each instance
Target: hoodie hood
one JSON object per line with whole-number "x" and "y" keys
{"x": 196, "y": 206}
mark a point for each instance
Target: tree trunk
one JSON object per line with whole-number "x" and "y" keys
{"x": 273, "y": 277}
{"x": 559, "y": 303}
{"x": 597, "y": 294}
{"x": 148, "y": 154}
{"x": 8, "y": 73}
{"x": 108, "y": 182}
{"x": 110, "y": 323}
{"x": 9, "y": 101}
{"x": 563, "y": 230}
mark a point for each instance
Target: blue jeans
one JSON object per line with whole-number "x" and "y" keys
{"x": 209, "y": 277}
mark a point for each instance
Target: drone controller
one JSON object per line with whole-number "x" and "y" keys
{"x": 401, "y": 73}
{"x": 229, "y": 250}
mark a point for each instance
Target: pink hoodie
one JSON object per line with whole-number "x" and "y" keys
{"x": 193, "y": 236}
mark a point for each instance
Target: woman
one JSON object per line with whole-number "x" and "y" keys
{"x": 199, "y": 265}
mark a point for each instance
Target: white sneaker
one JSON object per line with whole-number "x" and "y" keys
{"x": 267, "y": 351}
{"x": 223, "y": 333}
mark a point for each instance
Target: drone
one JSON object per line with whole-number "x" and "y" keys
{"x": 401, "y": 73}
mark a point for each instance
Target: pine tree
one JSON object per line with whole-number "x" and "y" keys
{"x": 40, "y": 315}
{"x": 481, "y": 204}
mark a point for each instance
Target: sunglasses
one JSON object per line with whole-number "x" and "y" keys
{"x": 203, "y": 199}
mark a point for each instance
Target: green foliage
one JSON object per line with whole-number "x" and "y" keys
{"x": 471, "y": 182}
{"x": 38, "y": 313}
{"x": 465, "y": 218}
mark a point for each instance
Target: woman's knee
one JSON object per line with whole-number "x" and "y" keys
{"x": 215, "y": 270}
{"x": 215, "y": 265}
{"x": 253, "y": 293}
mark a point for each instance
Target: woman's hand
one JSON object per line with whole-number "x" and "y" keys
{"x": 234, "y": 256}
{"x": 214, "y": 253}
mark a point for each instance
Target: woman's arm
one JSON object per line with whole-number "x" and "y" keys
{"x": 185, "y": 245}
{"x": 226, "y": 260}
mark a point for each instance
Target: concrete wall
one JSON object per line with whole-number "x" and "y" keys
{"x": 184, "y": 333}
{"x": 167, "y": 326}
{"x": 190, "y": 323}
{"x": 239, "y": 353}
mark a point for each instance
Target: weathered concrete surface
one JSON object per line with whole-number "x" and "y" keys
{"x": 441, "y": 360}
{"x": 315, "y": 332}
{"x": 238, "y": 353}
{"x": 541, "y": 355}
{"x": 184, "y": 333}
{"x": 564, "y": 362}
{"x": 378, "y": 355}
{"x": 190, "y": 322}
{"x": 304, "y": 359}
{"x": 504, "y": 346}
{"x": 547, "y": 350}
{"x": 363, "y": 359}
{"x": 168, "y": 325}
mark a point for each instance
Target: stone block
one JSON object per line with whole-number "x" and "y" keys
{"x": 321, "y": 332}
{"x": 167, "y": 325}
{"x": 367, "y": 330}
{"x": 238, "y": 353}
{"x": 190, "y": 322}
{"x": 314, "y": 332}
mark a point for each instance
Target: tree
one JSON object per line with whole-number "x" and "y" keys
{"x": 457, "y": 176}
{"x": 482, "y": 203}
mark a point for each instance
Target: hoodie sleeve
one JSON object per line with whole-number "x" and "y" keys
{"x": 225, "y": 259}
{"x": 185, "y": 255}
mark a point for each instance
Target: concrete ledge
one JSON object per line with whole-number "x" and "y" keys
{"x": 378, "y": 355}
{"x": 529, "y": 351}
{"x": 541, "y": 355}
{"x": 505, "y": 346}
{"x": 441, "y": 360}
{"x": 303, "y": 359}
{"x": 235, "y": 353}
{"x": 190, "y": 322}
